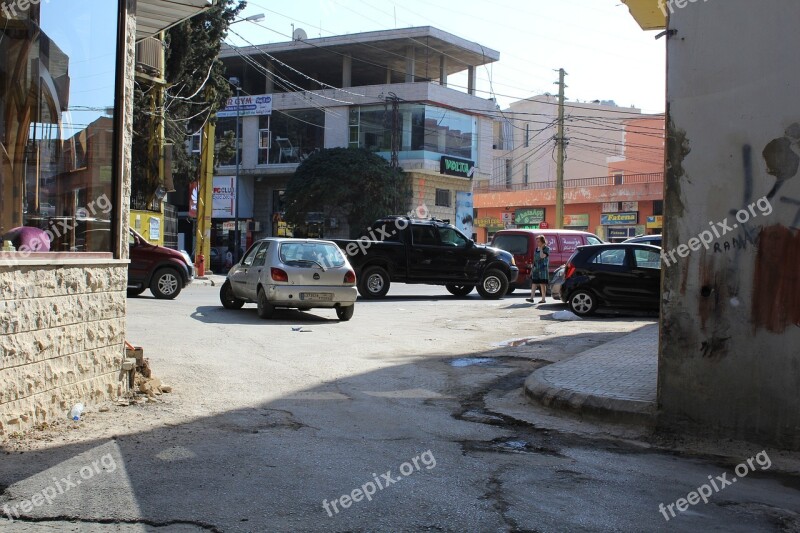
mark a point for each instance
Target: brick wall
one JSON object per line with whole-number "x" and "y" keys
{"x": 61, "y": 339}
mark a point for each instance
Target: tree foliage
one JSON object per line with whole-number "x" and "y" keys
{"x": 354, "y": 183}
{"x": 196, "y": 87}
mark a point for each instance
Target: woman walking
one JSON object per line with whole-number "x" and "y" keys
{"x": 540, "y": 273}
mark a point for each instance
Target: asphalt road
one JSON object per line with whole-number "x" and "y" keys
{"x": 409, "y": 417}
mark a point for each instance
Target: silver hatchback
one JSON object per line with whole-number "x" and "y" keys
{"x": 293, "y": 273}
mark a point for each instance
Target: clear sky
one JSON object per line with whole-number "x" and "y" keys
{"x": 605, "y": 53}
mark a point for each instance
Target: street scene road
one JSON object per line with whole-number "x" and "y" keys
{"x": 409, "y": 417}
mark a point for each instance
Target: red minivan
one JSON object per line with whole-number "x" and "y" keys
{"x": 522, "y": 243}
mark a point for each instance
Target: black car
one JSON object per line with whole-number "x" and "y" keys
{"x": 653, "y": 240}
{"x": 427, "y": 251}
{"x": 612, "y": 275}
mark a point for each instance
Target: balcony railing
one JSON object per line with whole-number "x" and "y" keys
{"x": 602, "y": 181}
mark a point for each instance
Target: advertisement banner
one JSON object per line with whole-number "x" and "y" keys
{"x": 610, "y": 207}
{"x": 223, "y": 197}
{"x": 610, "y": 219}
{"x": 193, "y": 199}
{"x": 464, "y": 210}
{"x": 655, "y": 222}
{"x": 630, "y": 206}
{"x": 247, "y": 106}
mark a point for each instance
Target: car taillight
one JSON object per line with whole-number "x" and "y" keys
{"x": 570, "y": 270}
{"x": 278, "y": 274}
{"x": 350, "y": 278}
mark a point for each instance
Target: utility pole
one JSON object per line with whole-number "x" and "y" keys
{"x": 561, "y": 144}
{"x": 395, "y": 126}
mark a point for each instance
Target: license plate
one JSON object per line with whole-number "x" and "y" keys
{"x": 317, "y": 296}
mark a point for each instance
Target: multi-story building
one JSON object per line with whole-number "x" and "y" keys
{"x": 613, "y": 174}
{"x": 360, "y": 90}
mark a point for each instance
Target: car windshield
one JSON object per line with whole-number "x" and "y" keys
{"x": 515, "y": 244}
{"x": 324, "y": 254}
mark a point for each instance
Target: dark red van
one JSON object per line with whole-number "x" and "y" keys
{"x": 522, "y": 243}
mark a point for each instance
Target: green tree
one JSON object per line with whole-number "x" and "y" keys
{"x": 351, "y": 182}
{"x": 196, "y": 87}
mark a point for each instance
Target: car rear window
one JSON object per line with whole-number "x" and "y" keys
{"x": 515, "y": 244}
{"x": 321, "y": 253}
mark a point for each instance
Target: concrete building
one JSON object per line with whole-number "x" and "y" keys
{"x": 613, "y": 171}
{"x": 301, "y": 96}
{"x": 729, "y": 361}
{"x": 65, "y": 133}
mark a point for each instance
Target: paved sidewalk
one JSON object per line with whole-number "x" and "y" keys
{"x": 215, "y": 280}
{"x": 616, "y": 380}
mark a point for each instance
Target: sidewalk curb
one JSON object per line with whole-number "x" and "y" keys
{"x": 574, "y": 385}
{"x": 537, "y": 388}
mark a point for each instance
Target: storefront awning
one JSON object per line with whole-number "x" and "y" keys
{"x": 648, "y": 13}
{"x": 153, "y": 16}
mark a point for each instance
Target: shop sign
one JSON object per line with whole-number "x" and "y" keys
{"x": 529, "y": 217}
{"x": 630, "y": 206}
{"x": 488, "y": 222}
{"x": 247, "y": 106}
{"x": 610, "y": 219}
{"x": 611, "y": 207}
{"x": 618, "y": 233}
{"x": 655, "y": 222}
{"x": 453, "y": 166}
{"x": 544, "y": 225}
{"x": 576, "y": 221}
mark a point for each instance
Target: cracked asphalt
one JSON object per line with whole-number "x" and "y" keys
{"x": 269, "y": 426}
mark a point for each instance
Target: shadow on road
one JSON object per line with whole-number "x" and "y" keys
{"x": 209, "y": 314}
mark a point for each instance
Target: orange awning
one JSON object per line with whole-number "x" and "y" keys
{"x": 649, "y": 14}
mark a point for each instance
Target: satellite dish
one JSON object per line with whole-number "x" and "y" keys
{"x": 299, "y": 34}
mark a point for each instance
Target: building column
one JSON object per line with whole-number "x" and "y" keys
{"x": 347, "y": 71}
{"x": 269, "y": 85}
{"x": 443, "y": 70}
{"x": 388, "y": 75}
{"x": 471, "y": 74}
{"x": 410, "y": 64}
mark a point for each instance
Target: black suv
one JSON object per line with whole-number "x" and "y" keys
{"x": 426, "y": 251}
{"x": 612, "y": 275}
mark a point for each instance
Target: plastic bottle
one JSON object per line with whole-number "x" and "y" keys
{"x": 75, "y": 413}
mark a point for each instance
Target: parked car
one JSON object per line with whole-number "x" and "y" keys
{"x": 522, "y": 243}
{"x": 427, "y": 251}
{"x": 654, "y": 240}
{"x": 294, "y": 273}
{"x": 163, "y": 270}
{"x": 612, "y": 275}
{"x": 557, "y": 281}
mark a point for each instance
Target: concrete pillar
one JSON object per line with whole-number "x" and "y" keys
{"x": 443, "y": 70}
{"x": 410, "y": 64}
{"x": 471, "y": 74}
{"x": 269, "y": 84}
{"x": 388, "y": 75}
{"x": 347, "y": 70}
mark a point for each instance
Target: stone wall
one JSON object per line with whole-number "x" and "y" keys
{"x": 62, "y": 330}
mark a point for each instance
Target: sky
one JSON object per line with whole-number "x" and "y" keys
{"x": 607, "y": 56}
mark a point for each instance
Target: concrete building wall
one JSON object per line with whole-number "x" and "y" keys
{"x": 729, "y": 358}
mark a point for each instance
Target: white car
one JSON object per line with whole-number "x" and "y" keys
{"x": 294, "y": 273}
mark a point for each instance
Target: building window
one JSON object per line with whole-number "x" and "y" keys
{"x": 525, "y": 176}
{"x": 618, "y": 178}
{"x": 658, "y": 208}
{"x": 294, "y": 135}
{"x": 58, "y": 136}
{"x": 509, "y": 173}
{"x": 443, "y": 197}
{"x": 226, "y": 129}
{"x": 527, "y": 135}
{"x": 429, "y": 131}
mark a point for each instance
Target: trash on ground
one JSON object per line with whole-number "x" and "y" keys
{"x": 566, "y": 315}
